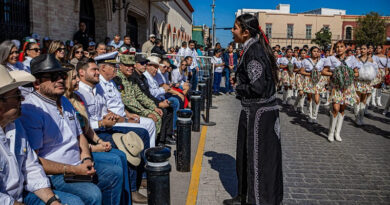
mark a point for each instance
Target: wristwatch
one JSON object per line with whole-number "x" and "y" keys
{"x": 53, "y": 199}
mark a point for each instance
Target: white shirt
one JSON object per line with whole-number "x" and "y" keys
{"x": 381, "y": 61}
{"x": 178, "y": 76}
{"x": 215, "y": 60}
{"x": 285, "y": 61}
{"x": 180, "y": 54}
{"x": 27, "y": 62}
{"x": 299, "y": 63}
{"x": 194, "y": 55}
{"x": 18, "y": 66}
{"x": 19, "y": 166}
{"x": 112, "y": 96}
{"x": 116, "y": 46}
{"x": 359, "y": 64}
{"x": 308, "y": 64}
{"x": 53, "y": 135}
{"x": 162, "y": 78}
{"x": 154, "y": 88}
{"x": 333, "y": 62}
{"x": 94, "y": 102}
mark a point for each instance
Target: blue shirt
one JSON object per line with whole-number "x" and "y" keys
{"x": 53, "y": 135}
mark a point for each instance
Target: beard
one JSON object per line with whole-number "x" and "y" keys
{"x": 91, "y": 79}
{"x": 50, "y": 92}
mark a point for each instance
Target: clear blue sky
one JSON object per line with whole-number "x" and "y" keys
{"x": 225, "y": 9}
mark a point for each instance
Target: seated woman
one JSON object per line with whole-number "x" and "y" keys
{"x": 101, "y": 150}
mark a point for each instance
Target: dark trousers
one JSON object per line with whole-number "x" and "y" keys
{"x": 259, "y": 156}
{"x": 166, "y": 125}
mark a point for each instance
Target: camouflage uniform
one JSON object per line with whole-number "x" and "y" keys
{"x": 135, "y": 100}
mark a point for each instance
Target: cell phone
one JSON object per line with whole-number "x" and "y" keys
{"x": 77, "y": 178}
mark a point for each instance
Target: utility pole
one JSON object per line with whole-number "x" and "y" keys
{"x": 213, "y": 19}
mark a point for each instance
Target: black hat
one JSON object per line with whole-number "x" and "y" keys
{"x": 141, "y": 59}
{"x": 46, "y": 63}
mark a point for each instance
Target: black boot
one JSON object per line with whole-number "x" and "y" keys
{"x": 235, "y": 201}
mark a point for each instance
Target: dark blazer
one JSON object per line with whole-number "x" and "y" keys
{"x": 226, "y": 60}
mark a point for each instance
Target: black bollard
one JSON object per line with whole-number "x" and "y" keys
{"x": 203, "y": 89}
{"x": 183, "y": 144}
{"x": 157, "y": 170}
{"x": 196, "y": 100}
{"x": 208, "y": 96}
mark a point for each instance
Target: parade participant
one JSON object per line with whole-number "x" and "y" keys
{"x": 370, "y": 52}
{"x": 32, "y": 51}
{"x": 76, "y": 54}
{"x": 358, "y": 51}
{"x": 56, "y": 136}
{"x": 299, "y": 81}
{"x": 259, "y": 155}
{"x": 58, "y": 49}
{"x": 367, "y": 69}
{"x": 313, "y": 85}
{"x": 9, "y": 57}
{"x": 288, "y": 76}
{"x": 382, "y": 61}
{"x": 342, "y": 89}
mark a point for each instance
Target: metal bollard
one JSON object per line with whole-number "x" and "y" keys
{"x": 196, "y": 100}
{"x": 157, "y": 170}
{"x": 183, "y": 147}
{"x": 203, "y": 89}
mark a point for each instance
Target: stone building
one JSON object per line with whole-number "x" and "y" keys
{"x": 169, "y": 20}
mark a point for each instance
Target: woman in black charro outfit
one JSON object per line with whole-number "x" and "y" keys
{"x": 259, "y": 155}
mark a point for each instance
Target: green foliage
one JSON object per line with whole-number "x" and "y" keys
{"x": 370, "y": 29}
{"x": 323, "y": 38}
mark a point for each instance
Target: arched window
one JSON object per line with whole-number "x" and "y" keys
{"x": 348, "y": 33}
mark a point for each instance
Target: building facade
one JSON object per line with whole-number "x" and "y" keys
{"x": 104, "y": 18}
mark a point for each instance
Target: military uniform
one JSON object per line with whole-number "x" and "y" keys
{"x": 135, "y": 100}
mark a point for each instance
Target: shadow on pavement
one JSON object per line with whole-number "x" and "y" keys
{"x": 370, "y": 128}
{"x": 225, "y": 165}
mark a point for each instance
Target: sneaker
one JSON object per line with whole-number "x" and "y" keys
{"x": 169, "y": 140}
{"x": 138, "y": 198}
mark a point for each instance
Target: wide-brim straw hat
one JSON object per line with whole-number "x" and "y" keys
{"x": 131, "y": 144}
{"x": 10, "y": 80}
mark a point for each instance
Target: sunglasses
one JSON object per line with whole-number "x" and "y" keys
{"x": 35, "y": 49}
{"x": 61, "y": 49}
{"x": 54, "y": 76}
{"x": 14, "y": 52}
{"x": 79, "y": 52}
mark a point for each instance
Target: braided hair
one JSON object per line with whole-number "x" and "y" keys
{"x": 250, "y": 23}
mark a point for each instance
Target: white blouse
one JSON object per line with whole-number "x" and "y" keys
{"x": 309, "y": 65}
{"x": 333, "y": 62}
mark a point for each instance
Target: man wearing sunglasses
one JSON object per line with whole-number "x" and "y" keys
{"x": 56, "y": 136}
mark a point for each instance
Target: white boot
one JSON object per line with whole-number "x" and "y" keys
{"x": 315, "y": 113}
{"x": 368, "y": 101}
{"x": 284, "y": 97}
{"x": 327, "y": 98}
{"x": 379, "y": 97}
{"x": 311, "y": 111}
{"x": 295, "y": 93}
{"x": 386, "y": 109}
{"x": 373, "y": 97}
{"x": 357, "y": 114}
{"x": 361, "y": 112}
{"x": 302, "y": 103}
{"x": 332, "y": 126}
{"x": 340, "y": 120}
{"x": 289, "y": 95}
{"x": 297, "y": 102}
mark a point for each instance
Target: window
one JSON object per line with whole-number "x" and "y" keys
{"x": 348, "y": 33}
{"x": 268, "y": 30}
{"x": 290, "y": 30}
{"x": 308, "y": 31}
{"x": 14, "y": 19}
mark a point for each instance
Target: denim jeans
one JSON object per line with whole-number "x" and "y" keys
{"x": 217, "y": 81}
{"x": 143, "y": 134}
{"x": 228, "y": 86}
{"x": 175, "y": 104}
{"x": 117, "y": 158}
{"x": 194, "y": 79}
{"x": 107, "y": 190}
{"x": 66, "y": 198}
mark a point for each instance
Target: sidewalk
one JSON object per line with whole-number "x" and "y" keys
{"x": 355, "y": 171}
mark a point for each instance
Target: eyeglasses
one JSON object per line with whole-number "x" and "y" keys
{"x": 35, "y": 49}
{"x": 54, "y": 76}
{"x": 79, "y": 52}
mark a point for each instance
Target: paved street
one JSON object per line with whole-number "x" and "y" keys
{"x": 355, "y": 171}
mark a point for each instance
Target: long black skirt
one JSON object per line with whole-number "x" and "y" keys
{"x": 259, "y": 155}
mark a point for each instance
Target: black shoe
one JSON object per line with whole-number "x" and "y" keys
{"x": 235, "y": 201}
{"x": 170, "y": 141}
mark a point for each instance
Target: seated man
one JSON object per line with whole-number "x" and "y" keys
{"x": 138, "y": 78}
{"x": 103, "y": 121}
{"x": 113, "y": 99}
{"x": 55, "y": 135}
{"x": 19, "y": 167}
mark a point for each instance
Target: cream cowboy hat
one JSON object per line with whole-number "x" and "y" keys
{"x": 131, "y": 144}
{"x": 10, "y": 80}
{"x": 154, "y": 60}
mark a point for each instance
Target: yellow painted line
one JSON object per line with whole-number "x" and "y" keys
{"x": 196, "y": 169}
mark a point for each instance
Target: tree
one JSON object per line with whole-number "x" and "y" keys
{"x": 323, "y": 38}
{"x": 370, "y": 29}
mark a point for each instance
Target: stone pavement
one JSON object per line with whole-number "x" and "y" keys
{"x": 354, "y": 171}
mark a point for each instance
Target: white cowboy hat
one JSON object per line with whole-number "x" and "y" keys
{"x": 131, "y": 144}
{"x": 154, "y": 60}
{"x": 10, "y": 80}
